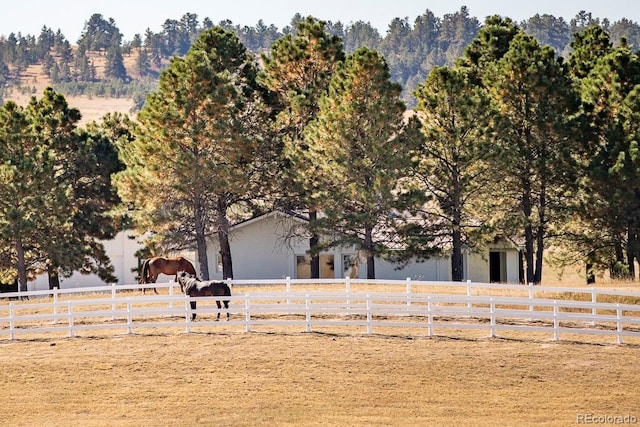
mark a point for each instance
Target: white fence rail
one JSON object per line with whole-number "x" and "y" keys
{"x": 425, "y": 307}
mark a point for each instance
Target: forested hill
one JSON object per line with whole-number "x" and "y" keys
{"x": 101, "y": 63}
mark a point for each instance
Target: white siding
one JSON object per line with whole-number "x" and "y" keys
{"x": 120, "y": 250}
{"x": 435, "y": 269}
{"x": 259, "y": 251}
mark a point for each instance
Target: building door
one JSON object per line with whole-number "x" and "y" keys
{"x": 497, "y": 267}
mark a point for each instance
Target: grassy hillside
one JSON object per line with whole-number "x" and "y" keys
{"x": 33, "y": 81}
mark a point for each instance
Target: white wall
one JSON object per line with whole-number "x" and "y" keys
{"x": 435, "y": 269}
{"x": 120, "y": 250}
{"x": 259, "y": 251}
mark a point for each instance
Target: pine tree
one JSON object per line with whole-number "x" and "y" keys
{"x": 453, "y": 169}
{"x": 297, "y": 72}
{"x": 359, "y": 148}
{"x": 535, "y": 172}
{"x": 609, "y": 109}
{"x": 196, "y": 147}
{"x": 59, "y": 179}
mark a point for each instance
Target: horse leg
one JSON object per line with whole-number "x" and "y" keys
{"x": 226, "y": 306}
{"x": 219, "y": 308}
{"x": 193, "y": 307}
{"x": 152, "y": 279}
{"x": 146, "y": 281}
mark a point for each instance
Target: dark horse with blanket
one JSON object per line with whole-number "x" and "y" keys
{"x": 195, "y": 287}
{"x": 153, "y": 267}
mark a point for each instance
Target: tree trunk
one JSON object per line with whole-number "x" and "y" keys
{"x": 632, "y": 245}
{"x": 457, "y": 273}
{"x": 223, "y": 239}
{"x": 54, "y": 278}
{"x": 22, "y": 267}
{"x": 591, "y": 277}
{"x": 203, "y": 259}
{"x": 201, "y": 241}
{"x": 528, "y": 234}
{"x": 225, "y": 253}
{"x": 368, "y": 247}
{"x": 539, "y": 254}
{"x": 313, "y": 245}
{"x": 617, "y": 268}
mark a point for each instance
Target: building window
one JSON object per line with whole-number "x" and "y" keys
{"x": 303, "y": 266}
{"x": 350, "y": 266}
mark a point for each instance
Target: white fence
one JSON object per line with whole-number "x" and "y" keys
{"x": 424, "y": 308}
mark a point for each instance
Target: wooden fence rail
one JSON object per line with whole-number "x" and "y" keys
{"x": 418, "y": 307}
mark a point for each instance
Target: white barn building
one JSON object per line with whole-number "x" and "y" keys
{"x": 266, "y": 247}
{"x": 263, "y": 248}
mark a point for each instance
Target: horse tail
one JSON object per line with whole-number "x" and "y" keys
{"x": 193, "y": 268}
{"x": 145, "y": 271}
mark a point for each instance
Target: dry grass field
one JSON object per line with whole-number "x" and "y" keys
{"x": 312, "y": 379}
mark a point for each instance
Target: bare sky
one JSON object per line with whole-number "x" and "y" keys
{"x": 135, "y": 16}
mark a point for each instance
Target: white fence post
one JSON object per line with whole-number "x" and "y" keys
{"x": 619, "y": 321}
{"x": 187, "y": 309}
{"x": 70, "y": 313}
{"x": 469, "y": 298}
{"x": 171, "y": 283}
{"x": 129, "y": 317}
{"x": 288, "y": 288}
{"x": 408, "y": 291}
{"x": 307, "y": 308}
{"x": 430, "y": 315}
{"x": 247, "y": 313}
{"x": 594, "y": 300}
{"x": 530, "y": 286}
{"x": 369, "y": 317}
{"x": 347, "y": 289}
{"x": 492, "y": 320}
{"x": 556, "y": 323}
{"x": 113, "y": 298}
{"x": 12, "y": 321}
{"x": 55, "y": 305}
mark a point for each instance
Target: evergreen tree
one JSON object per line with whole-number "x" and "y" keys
{"x": 114, "y": 67}
{"x": 359, "y": 148}
{"x": 490, "y": 45}
{"x": 84, "y": 163}
{"x": 61, "y": 193}
{"x": 535, "y": 172}
{"x": 587, "y": 48}
{"x": 100, "y": 34}
{"x": 361, "y": 34}
{"x": 196, "y": 147}
{"x": 26, "y": 171}
{"x": 548, "y": 30}
{"x": 297, "y": 72}
{"x": 453, "y": 170}
{"x": 609, "y": 108}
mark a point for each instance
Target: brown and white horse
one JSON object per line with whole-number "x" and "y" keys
{"x": 194, "y": 287}
{"x": 153, "y": 267}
